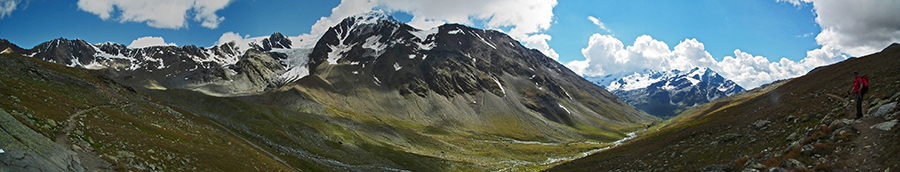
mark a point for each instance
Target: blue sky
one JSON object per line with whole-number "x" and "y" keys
{"x": 766, "y": 28}
{"x": 751, "y": 42}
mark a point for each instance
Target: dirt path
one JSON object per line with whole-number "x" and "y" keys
{"x": 90, "y": 161}
{"x": 62, "y": 137}
{"x": 865, "y": 148}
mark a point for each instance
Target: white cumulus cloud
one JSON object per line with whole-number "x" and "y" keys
{"x": 229, "y": 37}
{"x": 606, "y": 54}
{"x": 167, "y": 14}
{"x": 527, "y": 19}
{"x": 856, "y": 28}
{"x": 149, "y": 41}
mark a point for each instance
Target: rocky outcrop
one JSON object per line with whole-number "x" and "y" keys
{"x": 261, "y": 69}
{"x": 26, "y": 150}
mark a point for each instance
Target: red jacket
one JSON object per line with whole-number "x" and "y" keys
{"x": 857, "y": 84}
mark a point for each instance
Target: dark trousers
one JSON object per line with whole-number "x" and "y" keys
{"x": 859, "y": 100}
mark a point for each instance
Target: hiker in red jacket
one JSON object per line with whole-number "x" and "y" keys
{"x": 860, "y": 87}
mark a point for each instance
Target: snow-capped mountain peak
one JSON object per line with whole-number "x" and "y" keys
{"x": 635, "y": 80}
{"x": 372, "y": 17}
{"x": 667, "y": 92}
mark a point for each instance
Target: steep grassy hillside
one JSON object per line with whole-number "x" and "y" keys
{"x": 112, "y": 127}
{"x": 307, "y": 139}
{"x": 802, "y": 124}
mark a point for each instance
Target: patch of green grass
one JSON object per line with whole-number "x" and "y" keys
{"x": 114, "y": 126}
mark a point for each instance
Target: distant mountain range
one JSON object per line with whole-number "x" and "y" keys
{"x": 227, "y": 69}
{"x": 666, "y": 93}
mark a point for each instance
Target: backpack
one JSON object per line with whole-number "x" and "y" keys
{"x": 865, "y": 85}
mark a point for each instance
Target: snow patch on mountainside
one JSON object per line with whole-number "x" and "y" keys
{"x": 630, "y": 82}
{"x": 605, "y": 81}
{"x": 373, "y": 43}
{"x": 295, "y": 63}
{"x": 485, "y": 41}
{"x": 225, "y": 59}
{"x": 397, "y": 66}
{"x": 426, "y": 38}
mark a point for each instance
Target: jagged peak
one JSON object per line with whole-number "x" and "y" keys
{"x": 60, "y": 42}
{"x": 277, "y": 35}
{"x": 109, "y": 44}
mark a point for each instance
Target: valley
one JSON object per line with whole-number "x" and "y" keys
{"x": 375, "y": 94}
{"x": 372, "y": 94}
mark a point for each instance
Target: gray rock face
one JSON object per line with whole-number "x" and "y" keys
{"x": 260, "y": 68}
{"x": 26, "y": 150}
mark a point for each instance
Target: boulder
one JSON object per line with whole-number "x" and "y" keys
{"x": 886, "y": 126}
{"x": 776, "y": 169}
{"x": 807, "y": 149}
{"x": 793, "y": 136}
{"x": 884, "y": 109}
{"x": 760, "y": 124}
{"x": 793, "y": 164}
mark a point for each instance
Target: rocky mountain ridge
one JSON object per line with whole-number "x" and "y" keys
{"x": 226, "y": 69}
